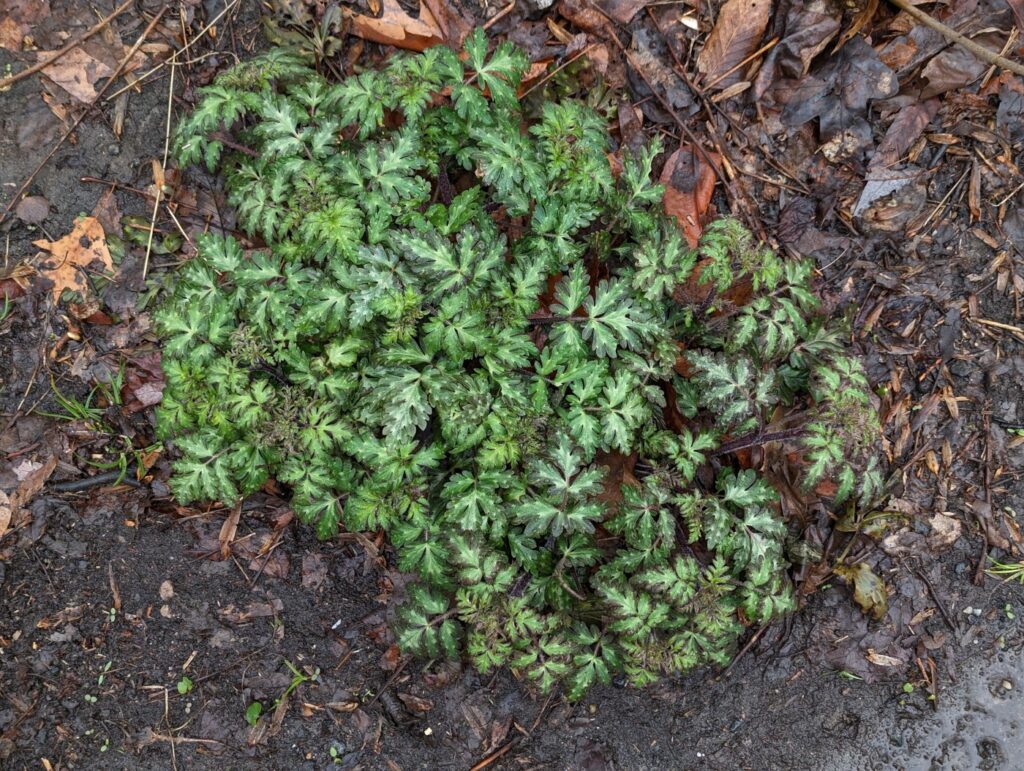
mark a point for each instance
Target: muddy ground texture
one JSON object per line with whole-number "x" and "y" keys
{"x": 137, "y": 633}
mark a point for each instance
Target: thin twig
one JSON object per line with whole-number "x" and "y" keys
{"x": 495, "y": 755}
{"x": 391, "y": 681}
{"x": 986, "y": 476}
{"x": 176, "y": 54}
{"x": 557, "y": 69}
{"x": 763, "y": 49}
{"x": 163, "y": 170}
{"x": 955, "y": 37}
{"x": 758, "y": 438}
{"x": 1016, "y": 331}
{"x": 78, "y": 121}
{"x": 97, "y": 27}
{"x": 743, "y": 651}
{"x": 938, "y": 602}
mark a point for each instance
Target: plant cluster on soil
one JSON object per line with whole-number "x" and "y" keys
{"x": 854, "y": 136}
{"x": 458, "y": 326}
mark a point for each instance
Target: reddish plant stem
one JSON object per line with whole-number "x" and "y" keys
{"x": 757, "y": 438}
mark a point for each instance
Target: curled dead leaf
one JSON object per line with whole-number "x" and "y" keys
{"x": 689, "y": 182}
{"x": 881, "y": 660}
{"x": 416, "y": 703}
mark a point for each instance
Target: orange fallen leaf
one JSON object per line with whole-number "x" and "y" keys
{"x": 397, "y": 28}
{"x": 84, "y": 245}
{"x": 689, "y": 182}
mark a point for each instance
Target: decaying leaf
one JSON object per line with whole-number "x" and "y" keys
{"x": 416, "y": 703}
{"x": 31, "y": 477}
{"x": 397, "y": 28}
{"x": 84, "y": 245}
{"x": 838, "y": 93}
{"x": 736, "y": 34}
{"x": 233, "y": 615}
{"x": 622, "y": 11}
{"x": 868, "y": 589}
{"x": 904, "y": 130}
{"x": 76, "y": 72}
{"x": 63, "y": 617}
{"x": 32, "y": 209}
{"x": 864, "y": 15}
{"x": 648, "y": 70}
{"x": 946, "y": 531}
{"x": 956, "y": 67}
{"x": 452, "y": 22}
{"x": 314, "y": 571}
{"x": 17, "y": 17}
{"x": 6, "y": 512}
{"x": 689, "y": 182}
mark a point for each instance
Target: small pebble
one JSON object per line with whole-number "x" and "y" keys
{"x": 1007, "y": 685}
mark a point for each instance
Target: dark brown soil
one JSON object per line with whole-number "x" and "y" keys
{"x": 110, "y": 598}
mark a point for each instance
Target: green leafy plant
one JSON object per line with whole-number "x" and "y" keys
{"x": 454, "y": 320}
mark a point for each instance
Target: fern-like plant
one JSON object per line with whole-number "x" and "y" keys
{"x": 454, "y": 318}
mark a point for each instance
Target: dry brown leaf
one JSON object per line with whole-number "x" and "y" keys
{"x": 31, "y": 477}
{"x": 228, "y": 530}
{"x": 868, "y": 589}
{"x": 622, "y": 11}
{"x": 17, "y": 18}
{"x": 76, "y": 72}
{"x": 397, "y": 28}
{"x": 6, "y": 512}
{"x": 11, "y": 34}
{"x": 859, "y": 21}
{"x": 689, "y": 182}
{"x": 881, "y": 660}
{"x": 63, "y": 617}
{"x": 1017, "y": 7}
{"x": 416, "y": 703}
{"x": 587, "y": 18}
{"x": 107, "y": 212}
{"x": 85, "y": 244}
{"x": 736, "y": 34}
{"x": 904, "y": 130}
{"x": 454, "y": 24}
